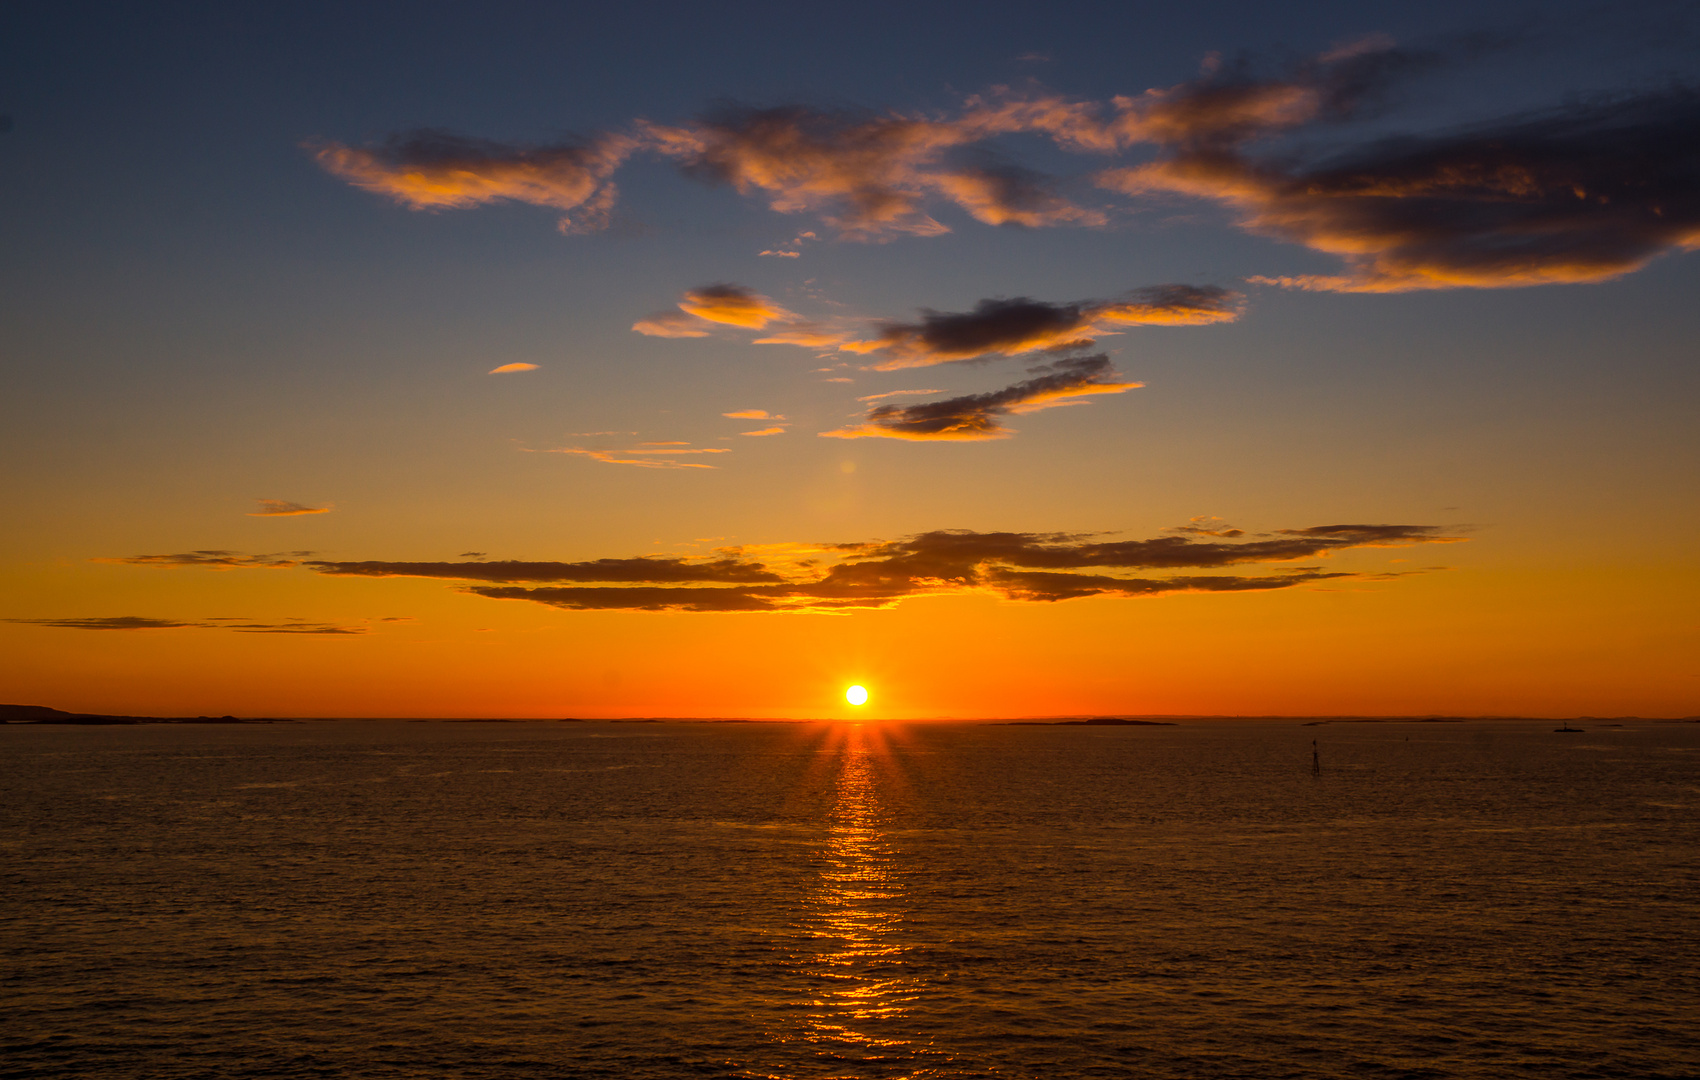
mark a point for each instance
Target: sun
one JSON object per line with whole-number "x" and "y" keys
{"x": 856, "y": 695}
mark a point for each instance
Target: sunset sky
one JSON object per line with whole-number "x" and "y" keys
{"x": 546, "y": 360}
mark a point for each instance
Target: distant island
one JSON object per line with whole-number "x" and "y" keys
{"x": 1089, "y": 721}
{"x": 41, "y": 714}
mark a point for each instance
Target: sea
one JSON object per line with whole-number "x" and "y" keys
{"x": 812, "y": 900}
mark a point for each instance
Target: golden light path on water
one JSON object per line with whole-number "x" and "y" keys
{"x": 859, "y": 986}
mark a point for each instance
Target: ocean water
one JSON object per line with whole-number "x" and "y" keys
{"x": 392, "y": 899}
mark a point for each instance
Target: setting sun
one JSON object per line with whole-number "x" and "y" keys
{"x": 856, "y": 695}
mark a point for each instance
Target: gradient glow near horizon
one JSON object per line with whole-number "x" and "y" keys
{"x": 429, "y": 362}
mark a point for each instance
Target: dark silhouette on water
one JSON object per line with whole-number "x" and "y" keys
{"x": 1315, "y": 760}
{"x": 1568, "y": 730}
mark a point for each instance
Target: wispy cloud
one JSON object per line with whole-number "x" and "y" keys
{"x": 435, "y": 170}
{"x": 776, "y": 424}
{"x": 139, "y": 622}
{"x": 281, "y": 508}
{"x": 649, "y": 455}
{"x": 724, "y": 570}
{"x": 216, "y": 559}
{"x": 980, "y": 416}
{"x": 507, "y": 368}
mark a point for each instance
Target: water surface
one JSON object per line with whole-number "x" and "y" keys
{"x": 390, "y": 899}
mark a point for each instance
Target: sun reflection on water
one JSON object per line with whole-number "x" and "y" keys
{"x": 859, "y": 982}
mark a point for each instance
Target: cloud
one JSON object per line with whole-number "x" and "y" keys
{"x": 216, "y": 559}
{"x": 1007, "y": 327}
{"x": 138, "y": 622}
{"x": 280, "y": 508}
{"x": 777, "y": 423}
{"x": 612, "y": 457}
{"x": 782, "y": 254}
{"x": 1014, "y": 566}
{"x": 644, "y": 569}
{"x": 434, "y": 170}
{"x": 733, "y": 305}
{"x": 505, "y": 368}
{"x": 1020, "y": 566}
{"x": 995, "y": 327}
{"x": 1587, "y": 191}
{"x": 671, "y": 324}
{"x": 1584, "y": 192}
{"x": 979, "y": 416}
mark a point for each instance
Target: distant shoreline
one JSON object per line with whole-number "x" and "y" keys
{"x": 33, "y": 715}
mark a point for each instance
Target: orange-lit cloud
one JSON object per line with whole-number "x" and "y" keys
{"x": 612, "y": 457}
{"x": 980, "y": 416}
{"x": 776, "y": 423}
{"x": 280, "y": 508}
{"x": 671, "y": 324}
{"x": 733, "y": 305}
{"x": 506, "y": 368}
{"x": 1582, "y": 192}
{"x": 869, "y": 176}
{"x": 433, "y": 170}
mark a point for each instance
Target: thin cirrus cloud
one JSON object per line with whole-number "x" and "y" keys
{"x": 509, "y": 368}
{"x": 283, "y": 508}
{"x": 976, "y": 417}
{"x": 140, "y": 622}
{"x": 776, "y": 423}
{"x": 649, "y": 455}
{"x": 1585, "y": 191}
{"x": 217, "y": 559}
{"x": 1044, "y": 567}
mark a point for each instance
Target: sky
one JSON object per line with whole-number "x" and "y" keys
{"x": 540, "y": 360}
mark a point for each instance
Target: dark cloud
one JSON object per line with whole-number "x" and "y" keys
{"x": 138, "y": 622}
{"x": 637, "y": 598}
{"x": 980, "y": 416}
{"x": 1584, "y": 192}
{"x": 1049, "y": 585}
{"x": 881, "y": 573}
{"x": 216, "y": 559}
{"x": 730, "y": 571}
{"x": 1010, "y": 326}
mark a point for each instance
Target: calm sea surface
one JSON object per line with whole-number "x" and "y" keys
{"x": 389, "y": 899}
